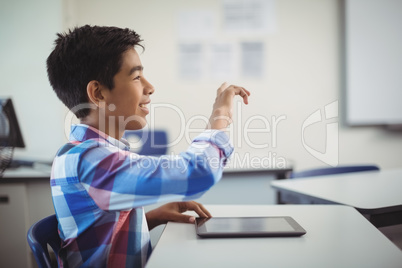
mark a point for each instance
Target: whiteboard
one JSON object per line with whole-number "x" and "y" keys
{"x": 373, "y": 62}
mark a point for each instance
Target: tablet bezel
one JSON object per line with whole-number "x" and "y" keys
{"x": 202, "y": 232}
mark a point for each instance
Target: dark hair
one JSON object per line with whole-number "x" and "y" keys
{"x": 84, "y": 54}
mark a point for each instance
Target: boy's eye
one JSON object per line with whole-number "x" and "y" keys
{"x": 137, "y": 78}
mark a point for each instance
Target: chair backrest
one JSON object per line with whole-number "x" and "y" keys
{"x": 41, "y": 234}
{"x": 153, "y": 142}
{"x": 332, "y": 170}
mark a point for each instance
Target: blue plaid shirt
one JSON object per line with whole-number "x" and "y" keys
{"x": 99, "y": 188}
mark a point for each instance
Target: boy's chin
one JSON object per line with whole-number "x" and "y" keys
{"x": 136, "y": 125}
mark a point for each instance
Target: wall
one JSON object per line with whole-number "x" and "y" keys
{"x": 303, "y": 74}
{"x": 27, "y": 32}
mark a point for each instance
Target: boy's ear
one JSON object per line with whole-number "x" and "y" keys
{"x": 94, "y": 93}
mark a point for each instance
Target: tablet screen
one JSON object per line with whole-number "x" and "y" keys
{"x": 248, "y": 226}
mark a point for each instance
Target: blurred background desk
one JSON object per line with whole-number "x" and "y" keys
{"x": 337, "y": 236}
{"x": 245, "y": 186}
{"x": 376, "y": 194}
{"x": 25, "y": 198}
{"x": 278, "y": 173}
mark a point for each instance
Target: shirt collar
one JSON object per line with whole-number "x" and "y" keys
{"x": 82, "y": 132}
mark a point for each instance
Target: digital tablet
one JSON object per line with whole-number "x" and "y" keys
{"x": 248, "y": 227}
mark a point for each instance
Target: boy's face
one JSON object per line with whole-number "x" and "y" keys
{"x": 129, "y": 98}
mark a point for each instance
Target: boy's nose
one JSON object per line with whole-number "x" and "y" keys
{"x": 148, "y": 88}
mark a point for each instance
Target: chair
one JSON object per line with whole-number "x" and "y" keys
{"x": 41, "y": 234}
{"x": 331, "y": 171}
{"x": 153, "y": 142}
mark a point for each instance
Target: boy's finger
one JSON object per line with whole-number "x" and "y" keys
{"x": 242, "y": 92}
{"x": 200, "y": 212}
{"x": 205, "y": 210}
{"x": 199, "y": 209}
{"x": 224, "y": 86}
{"x": 245, "y": 97}
{"x": 245, "y": 91}
{"x": 248, "y": 92}
{"x": 184, "y": 218}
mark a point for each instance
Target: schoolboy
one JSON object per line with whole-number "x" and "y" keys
{"x": 98, "y": 186}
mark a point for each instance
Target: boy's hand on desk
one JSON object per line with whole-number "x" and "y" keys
{"x": 173, "y": 212}
{"x": 221, "y": 115}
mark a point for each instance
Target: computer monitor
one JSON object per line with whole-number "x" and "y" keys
{"x": 10, "y": 133}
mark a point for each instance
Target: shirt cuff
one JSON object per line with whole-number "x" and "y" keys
{"x": 218, "y": 138}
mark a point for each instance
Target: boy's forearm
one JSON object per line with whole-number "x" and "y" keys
{"x": 152, "y": 219}
{"x": 219, "y": 120}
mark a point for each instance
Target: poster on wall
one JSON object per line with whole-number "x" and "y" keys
{"x": 252, "y": 59}
{"x": 196, "y": 25}
{"x": 249, "y": 17}
{"x": 221, "y": 61}
{"x": 211, "y": 50}
{"x": 191, "y": 60}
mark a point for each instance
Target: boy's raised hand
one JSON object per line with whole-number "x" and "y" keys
{"x": 221, "y": 116}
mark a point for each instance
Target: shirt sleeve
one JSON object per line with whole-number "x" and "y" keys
{"x": 119, "y": 180}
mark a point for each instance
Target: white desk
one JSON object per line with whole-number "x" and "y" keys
{"x": 377, "y": 194}
{"x": 337, "y": 236}
{"x": 26, "y": 174}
